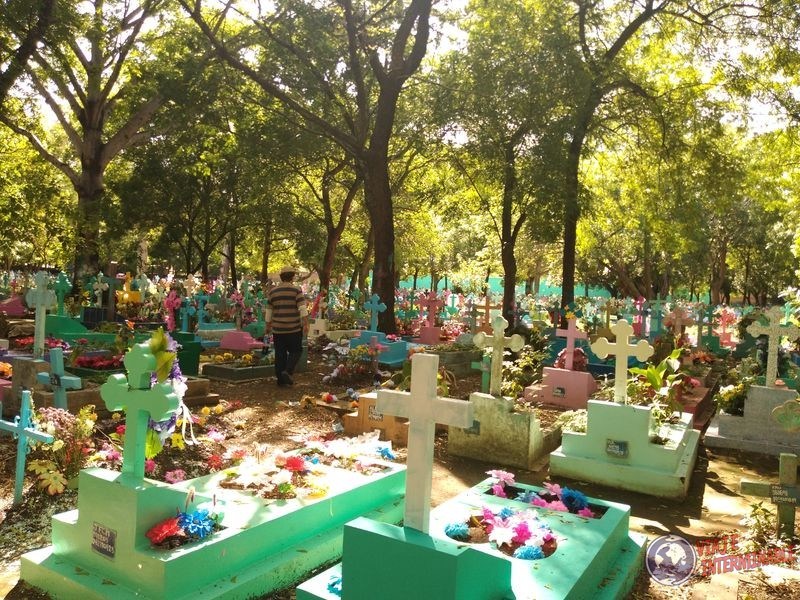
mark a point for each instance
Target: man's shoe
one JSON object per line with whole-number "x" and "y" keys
{"x": 287, "y": 379}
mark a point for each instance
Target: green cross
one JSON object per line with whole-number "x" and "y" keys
{"x": 22, "y": 428}
{"x": 485, "y": 367}
{"x": 62, "y": 287}
{"x": 141, "y": 403}
{"x": 783, "y": 494}
{"x": 58, "y": 380}
{"x": 707, "y": 315}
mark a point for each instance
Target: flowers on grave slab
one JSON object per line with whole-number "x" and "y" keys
{"x": 518, "y": 533}
{"x": 25, "y": 344}
{"x": 359, "y": 454}
{"x": 239, "y": 359}
{"x": 551, "y": 497}
{"x": 278, "y": 477}
{"x": 187, "y": 526}
{"x": 580, "y": 361}
{"x": 175, "y": 476}
{"x": 105, "y": 362}
{"x": 6, "y": 370}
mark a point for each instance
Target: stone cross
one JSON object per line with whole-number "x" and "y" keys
{"x": 424, "y": 410}
{"x": 375, "y": 307}
{"x": 680, "y": 319}
{"x": 171, "y": 303}
{"x": 707, "y": 320}
{"x": 621, "y": 350}
{"x": 774, "y": 332}
{"x": 783, "y": 494}
{"x": 187, "y": 310}
{"x": 190, "y": 284}
{"x": 112, "y": 282}
{"x": 572, "y": 333}
{"x": 656, "y": 315}
{"x": 62, "y": 287}
{"x": 40, "y": 298}
{"x": 99, "y": 286}
{"x": 58, "y": 380}
{"x": 23, "y": 429}
{"x": 141, "y": 403}
{"x": 431, "y": 303}
{"x": 499, "y": 343}
{"x": 472, "y": 315}
{"x": 485, "y": 367}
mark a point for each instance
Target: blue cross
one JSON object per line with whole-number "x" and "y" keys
{"x": 58, "y": 380}
{"x": 374, "y": 306}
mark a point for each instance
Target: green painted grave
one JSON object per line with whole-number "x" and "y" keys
{"x": 100, "y": 550}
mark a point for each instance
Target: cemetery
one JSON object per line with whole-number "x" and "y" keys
{"x": 435, "y": 299}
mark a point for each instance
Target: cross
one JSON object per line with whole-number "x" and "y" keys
{"x": 472, "y": 315}
{"x": 143, "y": 283}
{"x": 622, "y": 350}
{"x": 375, "y": 307}
{"x": 774, "y": 332}
{"x": 707, "y": 320}
{"x": 141, "y": 403}
{"x": 656, "y": 315}
{"x": 572, "y": 333}
{"x": 41, "y": 299}
{"x": 485, "y": 367}
{"x": 355, "y": 295}
{"x": 190, "y": 284}
{"x": 498, "y": 343}
{"x": 424, "y": 410}
{"x": 187, "y": 310}
{"x": 62, "y": 287}
{"x": 112, "y": 282}
{"x": 58, "y": 380}
{"x": 431, "y": 303}
{"x": 23, "y": 429}
{"x": 99, "y": 286}
{"x": 202, "y": 300}
{"x": 171, "y": 303}
{"x": 783, "y": 494}
{"x": 680, "y": 319}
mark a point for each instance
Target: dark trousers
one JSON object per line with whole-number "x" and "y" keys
{"x": 288, "y": 349}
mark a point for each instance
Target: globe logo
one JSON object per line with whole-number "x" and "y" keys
{"x": 670, "y": 560}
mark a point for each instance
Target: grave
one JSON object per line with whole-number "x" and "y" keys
{"x": 40, "y": 298}
{"x": 394, "y": 353}
{"x": 784, "y": 494}
{"x": 458, "y": 362}
{"x": 619, "y": 448}
{"x": 596, "y": 558}
{"x": 367, "y": 418}
{"x": 14, "y": 307}
{"x": 239, "y": 341}
{"x": 25, "y": 371}
{"x": 485, "y": 367}
{"x": 210, "y": 334}
{"x": 23, "y": 429}
{"x": 498, "y": 343}
{"x": 100, "y": 549}
{"x": 565, "y": 387}
{"x": 429, "y": 334}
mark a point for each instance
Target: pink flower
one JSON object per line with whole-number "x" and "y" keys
{"x": 539, "y": 501}
{"x": 503, "y": 477}
{"x": 557, "y": 505}
{"x": 175, "y": 476}
{"x": 522, "y": 533}
{"x": 488, "y": 519}
{"x": 149, "y": 466}
{"x": 497, "y": 490}
{"x": 121, "y": 429}
{"x": 553, "y": 488}
{"x": 113, "y": 455}
{"x": 216, "y": 436}
{"x": 586, "y": 512}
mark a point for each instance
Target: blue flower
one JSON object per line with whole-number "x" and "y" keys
{"x": 529, "y": 553}
{"x": 573, "y": 499}
{"x": 527, "y": 496}
{"x": 335, "y": 585}
{"x": 457, "y": 531}
{"x": 386, "y": 454}
{"x": 505, "y": 513}
{"x": 196, "y": 524}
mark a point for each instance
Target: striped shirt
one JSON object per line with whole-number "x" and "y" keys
{"x": 287, "y": 308}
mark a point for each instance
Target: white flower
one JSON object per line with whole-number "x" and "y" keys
{"x": 502, "y": 535}
{"x": 282, "y": 476}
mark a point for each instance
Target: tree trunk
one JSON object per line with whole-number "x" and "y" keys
{"x": 719, "y": 272}
{"x": 232, "y": 258}
{"x": 363, "y": 268}
{"x": 90, "y": 197}
{"x": 266, "y": 250}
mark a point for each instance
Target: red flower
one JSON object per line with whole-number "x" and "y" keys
{"x": 214, "y": 462}
{"x": 121, "y": 429}
{"x": 161, "y": 531}
{"x": 295, "y": 463}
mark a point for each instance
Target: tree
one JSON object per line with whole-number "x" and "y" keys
{"x": 342, "y": 68}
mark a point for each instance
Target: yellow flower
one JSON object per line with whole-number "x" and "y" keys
{"x": 177, "y": 441}
{"x": 219, "y": 358}
{"x": 219, "y": 409}
{"x": 201, "y": 421}
{"x": 205, "y": 411}
{"x": 116, "y": 416}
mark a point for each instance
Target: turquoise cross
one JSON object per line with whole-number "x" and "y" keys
{"x": 58, "y": 380}
{"x": 375, "y": 307}
{"x": 62, "y": 287}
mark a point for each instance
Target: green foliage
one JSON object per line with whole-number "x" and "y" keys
{"x": 573, "y": 420}
{"x": 49, "y": 478}
{"x": 522, "y": 370}
{"x": 164, "y": 358}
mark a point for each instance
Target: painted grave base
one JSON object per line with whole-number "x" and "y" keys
{"x": 560, "y": 387}
{"x": 596, "y": 558}
{"x": 501, "y": 435}
{"x": 757, "y": 430}
{"x": 459, "y": 363}
{"x": 100, "y": 549}
{"x": 233, "y": 374}
{"x": 617, "y": 450}
{"x": 367, "y": 419}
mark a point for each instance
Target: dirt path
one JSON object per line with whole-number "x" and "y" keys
{"x": 713, "y": 504}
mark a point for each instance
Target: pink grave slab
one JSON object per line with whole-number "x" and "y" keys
{"x": 14, "y": 307}
{"x": 567, "y": 389}
{"x": 239, "y": 340}
{"x": 430, "y": 335}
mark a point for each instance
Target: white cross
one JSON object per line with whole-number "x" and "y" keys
{"x": 774, "y": 331}
{"x": 572, "y": 333}
{"x": 144, "y": 285}
{"x": 40, "y": 298}
{"x": 99, "y": 287}
{"x": 498, "y": 343}
{"x": 424, "y": 409}
{"x": 621, "y": 350}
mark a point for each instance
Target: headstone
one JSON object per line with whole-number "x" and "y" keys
{"x": 22, "y": 428}
{"x": 58, "y": 380}
{"x": 774, "y": 331}
{"x": 240, "y": 341}
{"x": 171, "y": 303}
{"x": 367, "y": 418}
{"x": 143, "y": 283}
{"x": 99, "y": 286}
{"x": 429, "y": 333}
{"x": 61, "y": 288}
{"x": 424, "y": 409}
{"x": 621, "y": 350}
{"x": 571, "y": 333}
{"x": 498, "y": 342}
{"x": 40, "y": 298}
{"x": 656, "y": 317}
{"x": 187, "y": 312}
{"x": 784, "y": 494}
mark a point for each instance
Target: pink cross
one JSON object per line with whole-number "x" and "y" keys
{"x": 572, "y": 333}
{"x": 431, "y": 304}
{"x": 172, "y": 302}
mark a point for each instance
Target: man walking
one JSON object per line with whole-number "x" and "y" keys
{"x": 287, "y": 320}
